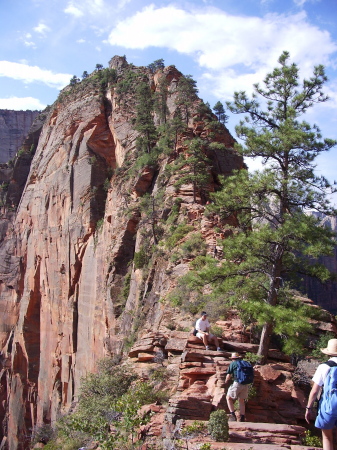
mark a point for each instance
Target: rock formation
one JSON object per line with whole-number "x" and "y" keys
{"x": 86, "y": 261}
{"x": 14, "y": 127}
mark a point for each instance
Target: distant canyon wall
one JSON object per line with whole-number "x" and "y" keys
{"x": 14, "y": 127}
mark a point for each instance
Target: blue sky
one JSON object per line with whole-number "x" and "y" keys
{"x": 226, "y": 45}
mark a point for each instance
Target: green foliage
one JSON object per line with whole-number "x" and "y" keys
{"x": 218, "y": 426}
{"x": 205, "y": 446}
{"x": 186, "y": 95}
{"x": 193, "y": 168}
{"x": 178, "y": 233}
{"x": 253, "y": 358}
{"x": 322, "y": 342}
{"x": 275, "y": 238}
{"x": 144, "y": 123}
{"x": 197, "y": 427}
{"x": 74, "y": 80}
{"x": 141, "y": 258}
{"x": 220, "y": 112}
{"x": 99, "y": 224}
{"x": 158, "y": 64}
{"x": 107, "y": 411}
{"x": 194, "y": 246}
{"x": 160, "y": 99}
{"x": 310, "y": 440}
{"x": 174, "y": 211}
{"x": 217, "y": 331}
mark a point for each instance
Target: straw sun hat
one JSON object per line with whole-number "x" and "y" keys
{"x": 237, "y": 356}
{"x": 331, "y": 349}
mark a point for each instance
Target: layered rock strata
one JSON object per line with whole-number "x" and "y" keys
{"x": 69, "y": 292}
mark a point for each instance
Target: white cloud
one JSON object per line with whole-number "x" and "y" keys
{"x": 41, "y": 28}
{"x": 31, "y": 74}
{"x": 81, "y": 41}
{"x": 235, "y": 51}
{"x": 73, "y": 10}
{"x": 29, "y": 44}
{"x": 86, "y": 7}
{"x": 21, "y": 103}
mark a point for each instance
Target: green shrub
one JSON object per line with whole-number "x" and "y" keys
{"x": 310, "y": 440}
{"x": 206, "y": 446}
{"x": 141, "y": 258}
{"x": 194, "y": 246}
{"x": 178, "y": 233}
{"x": 218, "y": 426}
{"x": 252, "y": 357}
{"x": 322, "y": 343}
{"x": 217, "y": 331}
{"x": 195, "y": 428}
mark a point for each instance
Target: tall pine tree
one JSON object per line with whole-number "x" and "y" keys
{"x": 275, "y": 238}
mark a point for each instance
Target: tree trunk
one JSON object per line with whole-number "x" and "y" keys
{"x": 265, "y": 342}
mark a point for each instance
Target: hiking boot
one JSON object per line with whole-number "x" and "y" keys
{"x": 218, "y": 349}
{"x": 242, "y": 418}
{"x": 207, "y": 347}
{"x": 232, "y": 417}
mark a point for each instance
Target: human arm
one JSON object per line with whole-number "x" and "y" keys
{"x": 312, "y": 397}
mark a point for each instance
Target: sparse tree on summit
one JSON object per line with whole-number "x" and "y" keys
{"x": 275, "y": 239}
{"x": 74, "y": 80}
{"x": 85, "y": 75}
{"x": 220, "y": 112}
{"x": 98, "y": 67}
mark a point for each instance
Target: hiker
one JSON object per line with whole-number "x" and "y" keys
{"x": 325, "y": 421}
{"x": 202, "y": 327}
{"x": 240, "y": 386}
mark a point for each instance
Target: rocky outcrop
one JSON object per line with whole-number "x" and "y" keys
{"x": 14, "y": 127}
{"x": 69, "y": 291}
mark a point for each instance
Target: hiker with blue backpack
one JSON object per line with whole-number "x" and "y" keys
{"x": 242, "y": 374}
{"x": 326, "y": 377}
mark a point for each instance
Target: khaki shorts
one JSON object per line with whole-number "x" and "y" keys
{"x": 201, "y": 336}
{"x": 237, "y": 390}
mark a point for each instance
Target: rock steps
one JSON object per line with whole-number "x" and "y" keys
{"x": 200, "y": 390}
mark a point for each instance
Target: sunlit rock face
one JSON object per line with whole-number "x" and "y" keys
{"x": 14, "y": 127}
{"x": 67, "y": 254}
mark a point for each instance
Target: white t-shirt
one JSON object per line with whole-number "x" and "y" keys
{"x": 202, "y": 325}
{"x": 322, "y": 371}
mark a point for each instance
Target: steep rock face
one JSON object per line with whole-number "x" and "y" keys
{"x": 14, "y": 126}
{"x": 67, "y": 256}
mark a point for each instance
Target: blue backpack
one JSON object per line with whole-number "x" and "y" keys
{"x": 328, "y": 404}
{"x": 245, "y": 372}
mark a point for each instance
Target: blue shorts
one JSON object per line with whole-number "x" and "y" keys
{"x": 325, "y": 421}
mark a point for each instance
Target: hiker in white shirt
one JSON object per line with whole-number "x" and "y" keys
{"x": 203, "y": 326}
{"x": 323, "y": 422}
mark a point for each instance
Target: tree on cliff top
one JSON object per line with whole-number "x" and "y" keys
{"x": 275, "y": 238}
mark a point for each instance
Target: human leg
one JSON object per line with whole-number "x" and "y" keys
{"x": 327, "y": 438}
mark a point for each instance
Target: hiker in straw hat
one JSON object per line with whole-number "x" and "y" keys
{"x": 236, "y": 391}
{"x": 325, "y": 422}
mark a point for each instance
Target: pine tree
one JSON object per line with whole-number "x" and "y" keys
{"x": 193, "y": 168}
{"x": 160, "y": 99}
{"x": 275, "y": 239}
{"x": 144, "y": 119}
{"x": 186, "y": 95}
{"x": 220, "y": 112}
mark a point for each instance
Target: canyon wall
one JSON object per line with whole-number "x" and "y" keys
{"x": 14, "y": 127}
{"x": 69, "y": 293}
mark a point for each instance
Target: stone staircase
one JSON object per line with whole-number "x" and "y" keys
{"x": 199, "y": 376}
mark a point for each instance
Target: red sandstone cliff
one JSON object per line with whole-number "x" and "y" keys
{"x": 70, "y": 291}
{"x": 66, "y": 256}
